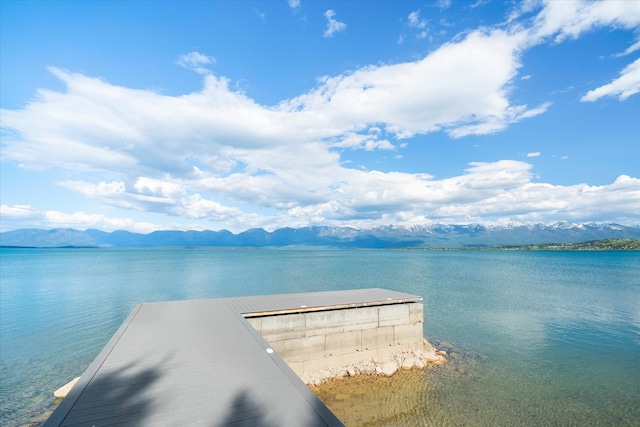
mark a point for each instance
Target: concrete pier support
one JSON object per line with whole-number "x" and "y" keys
{"x": 319, "y": 340}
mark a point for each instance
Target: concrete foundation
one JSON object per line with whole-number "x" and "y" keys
{"x": 327, "y": 339}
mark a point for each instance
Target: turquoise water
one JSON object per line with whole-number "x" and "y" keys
{"x": 545, "y": 338}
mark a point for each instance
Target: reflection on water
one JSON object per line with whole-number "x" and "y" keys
{"x": 541, "y": 338}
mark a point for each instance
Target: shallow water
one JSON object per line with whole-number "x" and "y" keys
{"x": 469, "y": 392}
{"x": 542, "y": 338}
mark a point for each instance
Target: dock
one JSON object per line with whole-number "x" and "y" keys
{"x": 203, "y": 362}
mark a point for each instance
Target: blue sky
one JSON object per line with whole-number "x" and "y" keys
{"x": 232, "y": 115}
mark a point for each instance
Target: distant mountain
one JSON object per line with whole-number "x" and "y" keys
{"x": 392, "y": 236}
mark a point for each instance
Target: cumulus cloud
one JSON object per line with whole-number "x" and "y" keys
{"x": 502, "y": 189}
{"x": 144, "y": 195}
{"x": 486, "y": 193}
{"x": 369, "y": 142}
{"x": 541, "y": 202}
{"x": 623, "y": 87}
{"x": 460, "y": 88}
{"x": 218, "y": 155}
{"x": 28, "y": 217}
{"x": 333, "y": 25}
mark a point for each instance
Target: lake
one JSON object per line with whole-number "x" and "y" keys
{"x": 539, "y": 337}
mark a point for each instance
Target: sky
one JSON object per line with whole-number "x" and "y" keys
{"x": 144, "y": 115}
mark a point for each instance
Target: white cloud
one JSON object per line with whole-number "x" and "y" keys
{"x": 500, "y": 189}
{"x": 634, "y": 47}
{"x": 158, "y": 187}
{"x": 94, "y": 125}
{"x": 195, "y": 61}
{"x": 444, "y": 4}
{"x": 18, "y": 211}
{"x": 493, "y": 124}
{"x": 28, "y": 217}
{"x": 293, "y": 3}
{"x": 487, "y": 193}
{"x": 534, "y": 154}
{"x": 169, "y": 197}
{"x": 435, "y": 93}
{"x": 571, "y": 18}
{"x": 218, "y": 156}
{"x": 333, "y": 26}
{"x": 478, "y": 3}
{"x": 540, "y": 202}
{"x": 197, "y": 207}
{"x": 368, "y": 142}
{"x": 117, "y": 194}
{"x": 623, "y": 87}
{"x": 415, "y": 21}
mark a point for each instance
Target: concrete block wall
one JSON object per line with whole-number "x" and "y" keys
{"x": 324, "y": 339}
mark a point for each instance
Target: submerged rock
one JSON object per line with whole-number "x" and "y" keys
{"x": 388, "y": 369}
{"x": 408, "y": 362}
{"x": 403, "y": 359}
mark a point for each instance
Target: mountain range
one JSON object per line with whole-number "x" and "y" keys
{"x": 391, "y": 236}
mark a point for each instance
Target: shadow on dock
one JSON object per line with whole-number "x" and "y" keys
{"x": 245, "y": 411}
{"x": 121, "y": 395}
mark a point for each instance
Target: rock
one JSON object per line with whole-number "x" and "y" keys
{"x": 408, "y": 362}
{"x": 441, "y": 360}
{"x": 445, "y": 345}
{"x": 426, "y": 346}
{"x": 341, "y": 372}
{"x": 387, "y": 364}
{"x": 388, "y": 369}
{"x": 431, "y": 356}
{"x": 429, "y": 352}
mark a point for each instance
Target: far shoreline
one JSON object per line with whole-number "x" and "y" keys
{"x": 590, "y": 245}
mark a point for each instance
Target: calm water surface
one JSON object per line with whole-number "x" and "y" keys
{"x": 539, "y": 338}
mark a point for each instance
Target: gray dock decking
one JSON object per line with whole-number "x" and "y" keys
{"x": 199, "y": 362}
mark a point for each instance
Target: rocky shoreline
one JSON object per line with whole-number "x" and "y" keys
{"x": 406, "y": 359}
